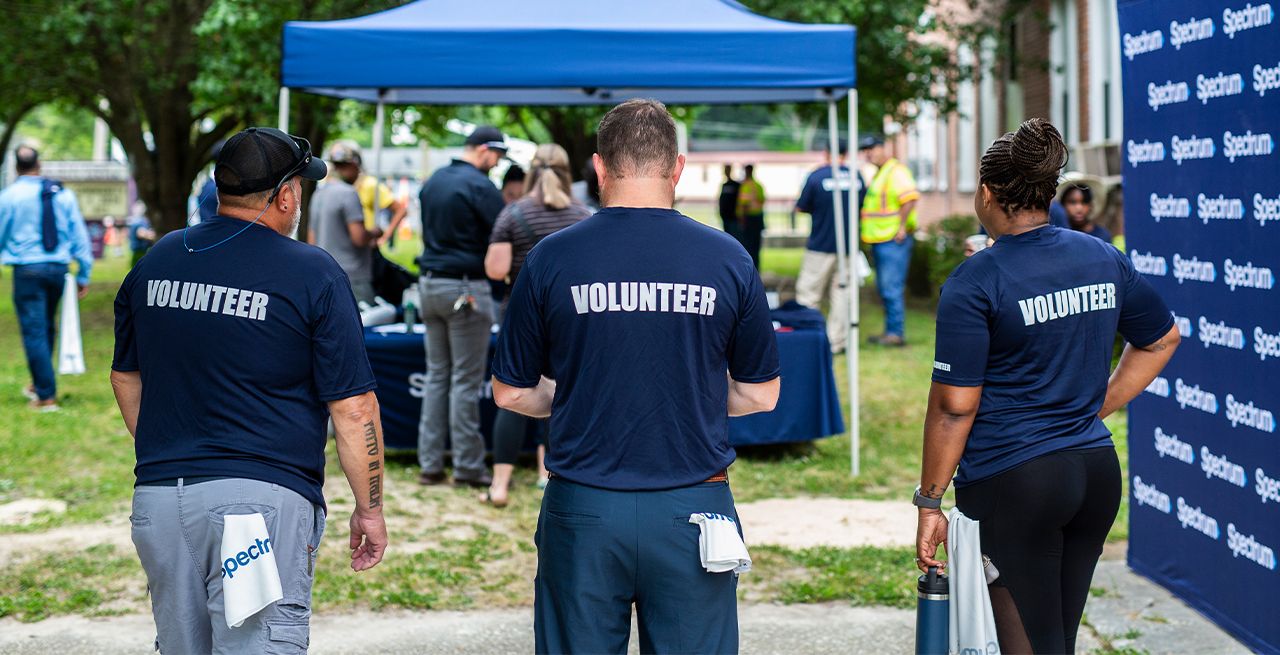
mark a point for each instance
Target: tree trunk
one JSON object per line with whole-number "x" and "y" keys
{"x": 10, "y": 127}
{"x": 574, "y": 134}
{"x": 314, "y": 114}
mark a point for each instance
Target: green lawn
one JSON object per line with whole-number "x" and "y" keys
{"x": 447, "y": 551}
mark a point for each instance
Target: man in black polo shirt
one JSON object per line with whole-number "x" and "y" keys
{"x": 459, "y": 207}
{"x": 655, "y": 330}
{"x": 234, "y": 346}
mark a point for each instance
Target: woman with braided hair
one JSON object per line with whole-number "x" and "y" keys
{"x": 1020, "y": 388}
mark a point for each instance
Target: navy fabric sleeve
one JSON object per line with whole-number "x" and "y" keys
{"x": 1144, "y": 317}
{"x": 522, "y": 350}
{"x": 339, "y": 363}
{"x": 964, "y": 335}
{"x": 126, "y": 353}
{"x": 753, "y": 349}
{"x": 805, "y": 202}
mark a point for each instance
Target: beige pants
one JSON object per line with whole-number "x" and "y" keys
{"x": 818, "y": 280}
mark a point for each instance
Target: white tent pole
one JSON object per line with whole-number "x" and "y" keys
{"x": 283, "y": 119}
{"x": 379, "y": 126}
{"x": 833, "y": 138}
{"x": 843, "y": 269}
{"x": 855, "y": 285}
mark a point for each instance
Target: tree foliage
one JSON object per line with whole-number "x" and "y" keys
{"x": 176, "y": 75}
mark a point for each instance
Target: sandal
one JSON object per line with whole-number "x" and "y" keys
{"x": 487, "y": 499}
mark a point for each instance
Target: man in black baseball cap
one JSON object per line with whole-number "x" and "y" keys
{"x": 459, "y": 206}
{"x": 235, "y": 344}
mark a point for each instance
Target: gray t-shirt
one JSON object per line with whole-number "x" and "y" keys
{"x": 335, "y": 204}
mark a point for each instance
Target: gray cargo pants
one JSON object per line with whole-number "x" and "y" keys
{"x": 178, "y": 533}
{"x": 457, "y": 350}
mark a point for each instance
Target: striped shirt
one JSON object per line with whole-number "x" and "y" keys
{"x": 540, "y": 220}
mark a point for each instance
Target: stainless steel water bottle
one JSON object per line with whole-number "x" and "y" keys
{"x": 932, "y": 613}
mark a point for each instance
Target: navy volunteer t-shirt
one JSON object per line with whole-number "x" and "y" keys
{"x": 815, "y": 200}
{"x": 1032, "y": 319}
{"x": 638, "y": 314}
{"x": 239, "y": 348}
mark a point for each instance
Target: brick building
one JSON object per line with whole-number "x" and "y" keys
{"x": 1060, "y": 60}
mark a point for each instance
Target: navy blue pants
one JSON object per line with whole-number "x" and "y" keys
{"x": 600, "y": 552}
{"x": 37, "y": 288}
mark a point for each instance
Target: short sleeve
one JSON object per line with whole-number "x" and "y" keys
{"x": 805, "y": 202}
{"x": 385, "y": 197}
{"x": 1144, "y": 317}
{"x": 125, "y": 358}
{"x": 964, "y": 335}
{"x": 489, "y": 202}
{"x": 522, "y": 346}
{"x": 352, "y": 212}
{"x": 339, "y": 363}
{"x": 502, "y": 227}
{"x": 753, "y": 349}
{"x": 904, "y": 185}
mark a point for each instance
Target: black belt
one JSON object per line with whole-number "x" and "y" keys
{"x": 186, "y": 481}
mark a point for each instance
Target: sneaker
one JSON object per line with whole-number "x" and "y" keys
{"x": 29, "y": 392}
{"x": 44, "y": 406}
{"x": 891, "y": 340}
{"x": 428, "y": 479}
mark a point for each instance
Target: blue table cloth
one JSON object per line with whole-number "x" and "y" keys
{"x": 808, "y": 406}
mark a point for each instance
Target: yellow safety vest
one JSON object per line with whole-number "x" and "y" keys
{"x": 892, "y": 187}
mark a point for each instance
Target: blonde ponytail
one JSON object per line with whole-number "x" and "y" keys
{"x": 549, "y": 177}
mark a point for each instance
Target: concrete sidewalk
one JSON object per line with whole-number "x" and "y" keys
{"x": 818, "y": 629}
{"x": 1125, "y": 612}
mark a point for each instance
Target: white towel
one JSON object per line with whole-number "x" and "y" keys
{"x": 719, "y": 544}
{"x": 972, "y": 623}
{"x": 70, "y": 347}
{"x": 250, "y": 579}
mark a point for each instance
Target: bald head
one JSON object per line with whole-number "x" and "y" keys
{"x": 26, "y": 160}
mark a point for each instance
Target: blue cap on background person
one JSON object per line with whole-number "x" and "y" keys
{"x": 869, "y": 141}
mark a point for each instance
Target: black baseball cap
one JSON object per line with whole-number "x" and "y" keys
{"x": 263, "y": 159}
{"x": 869, "y": 141}
{"x": 487, "y": 135}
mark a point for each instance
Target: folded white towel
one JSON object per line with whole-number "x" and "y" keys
{"x": 719, "y": 544}
{"x": 250, "y": 579}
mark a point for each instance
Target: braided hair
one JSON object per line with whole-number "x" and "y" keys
{"x": 1021, "y": 168}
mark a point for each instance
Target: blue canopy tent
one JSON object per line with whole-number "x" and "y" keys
{"x": 580, "y": 52}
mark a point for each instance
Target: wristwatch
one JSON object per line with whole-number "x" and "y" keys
{"x": 925, "y": 502}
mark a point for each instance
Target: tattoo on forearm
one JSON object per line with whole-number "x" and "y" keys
{"x": 371, "y": 439}
{"x": 375, "y": 490}
{"x": 933, "y": 491}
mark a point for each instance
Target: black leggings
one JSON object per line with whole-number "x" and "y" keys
{"x": 1043, "y": 524}
{"x": 509, "y": 429}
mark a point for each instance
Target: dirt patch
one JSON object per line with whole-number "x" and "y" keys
{"x": 71, "y": 538}
{"x": 843, "y": 523}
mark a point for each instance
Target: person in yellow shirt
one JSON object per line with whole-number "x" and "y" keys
{"x": 888, "y": 221}
{"x": 751, "y": 213}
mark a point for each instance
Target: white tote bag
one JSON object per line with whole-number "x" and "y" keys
{"x": 973, "y": 624}
{"x": 70, "y": 347}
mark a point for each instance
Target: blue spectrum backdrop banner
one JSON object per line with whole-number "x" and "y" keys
{"x": 1202, "y": 192}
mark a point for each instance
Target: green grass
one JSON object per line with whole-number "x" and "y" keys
{"x": 448, "y": 552}
{"x": 82, "y": 454}
{"x": 86, "y": 582}
{"x": 860, "y": 576}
